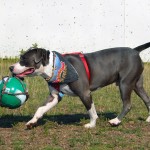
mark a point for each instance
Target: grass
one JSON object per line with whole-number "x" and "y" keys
{"x": 62, "y": 127}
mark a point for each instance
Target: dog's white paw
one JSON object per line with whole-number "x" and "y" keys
{"x": 31, "y": 123}
{"x": 114, "y": 122}
{"x": 148, "y": 119}
{"x": 89, "y": 125}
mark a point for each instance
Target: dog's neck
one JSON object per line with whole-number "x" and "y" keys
{"x": 48, "y": 69}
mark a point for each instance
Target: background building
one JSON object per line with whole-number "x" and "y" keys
{"x": 73, "y": 25}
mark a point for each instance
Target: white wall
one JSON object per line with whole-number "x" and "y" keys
{"x": 73, "y": 25}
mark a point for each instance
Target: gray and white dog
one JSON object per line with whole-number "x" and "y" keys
{"x": 120, "y": 65}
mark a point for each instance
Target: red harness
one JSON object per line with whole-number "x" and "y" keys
{"x": 81, "y": 55}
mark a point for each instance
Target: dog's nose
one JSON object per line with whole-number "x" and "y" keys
{"x": 11, "y": 68}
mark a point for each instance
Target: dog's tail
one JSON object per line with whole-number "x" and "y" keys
{"x": 142, "y": 47}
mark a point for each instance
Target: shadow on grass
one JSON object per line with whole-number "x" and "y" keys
{"x": 8, "y": 121}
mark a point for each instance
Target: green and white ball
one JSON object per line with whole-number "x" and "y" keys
{"x": 13, "y": 92}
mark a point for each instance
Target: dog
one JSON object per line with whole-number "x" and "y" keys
{"x": 121, "y": 65}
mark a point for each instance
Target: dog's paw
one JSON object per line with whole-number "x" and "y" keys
{"x": 114, "y": 122}
{"x": 31, "y": 124}
{"x": 148, "y": 119}
{"x": 89, "y": 125}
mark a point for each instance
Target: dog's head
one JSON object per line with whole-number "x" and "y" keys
{"x": 31, "y": 63}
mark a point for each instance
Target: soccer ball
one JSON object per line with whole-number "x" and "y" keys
{"x": 13, "y": 92}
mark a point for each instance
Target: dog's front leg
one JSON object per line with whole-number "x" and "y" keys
{"x": 51, "y": 102}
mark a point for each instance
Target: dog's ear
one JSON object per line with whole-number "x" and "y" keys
{"x": 38, "y": 57}
{"x": 36, "y": 60}
{"x": 42, "y": 56}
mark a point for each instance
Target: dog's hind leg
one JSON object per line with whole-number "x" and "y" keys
{"x": 125, "y": 90}
{"x": 139, "y": 89}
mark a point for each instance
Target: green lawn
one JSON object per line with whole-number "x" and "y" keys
{"x": 62, "y": 127}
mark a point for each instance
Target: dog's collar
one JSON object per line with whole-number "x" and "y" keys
{"x": 56, "y": 70}
{"x": 59, "y": 70}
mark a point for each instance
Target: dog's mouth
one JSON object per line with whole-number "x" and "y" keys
{"x": 25, "y": 73}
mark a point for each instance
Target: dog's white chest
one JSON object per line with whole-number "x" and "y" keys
{"x": 66, "y": 90}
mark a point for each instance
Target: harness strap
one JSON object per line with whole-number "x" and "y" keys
{"x": 85, "y": 65}
{"x": 83, "y": 59}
